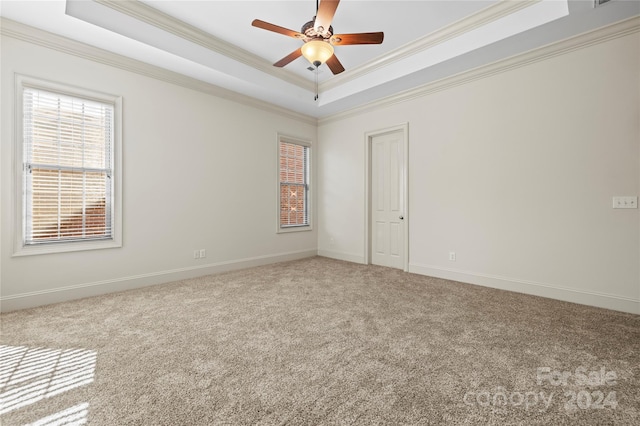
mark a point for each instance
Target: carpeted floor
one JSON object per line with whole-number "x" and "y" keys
{"x": 319, "y": 341}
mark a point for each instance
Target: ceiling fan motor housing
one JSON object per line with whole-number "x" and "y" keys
{"x": 310, "y": 32}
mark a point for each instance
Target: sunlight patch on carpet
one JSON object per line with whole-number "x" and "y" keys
{"x": 29, "y": 375}
{"x": 73, "y": 416}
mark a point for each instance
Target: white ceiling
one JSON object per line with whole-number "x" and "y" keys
{"x": 214, "y": 41}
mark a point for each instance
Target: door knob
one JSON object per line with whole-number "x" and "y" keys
{"x": 401, "y": 217}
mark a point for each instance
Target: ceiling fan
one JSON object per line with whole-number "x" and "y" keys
{"x": 319, "y": 38}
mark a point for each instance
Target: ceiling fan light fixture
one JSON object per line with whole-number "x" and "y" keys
{"x": 317, "y": 51}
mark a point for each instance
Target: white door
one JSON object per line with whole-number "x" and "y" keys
{"x": 387, "y": 200}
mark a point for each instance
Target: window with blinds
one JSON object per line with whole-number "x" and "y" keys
{"x": 294, "y": 184}
{"x": 68, "y": 167}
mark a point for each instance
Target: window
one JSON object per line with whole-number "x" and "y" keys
{"x": 293, "y": 184}
{"x": 67, "y": 141}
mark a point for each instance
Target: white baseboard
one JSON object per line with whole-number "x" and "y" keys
{"x": 64, "y": 294}
{"x": 601, "y": 300}
{"x": 348, "y": 257}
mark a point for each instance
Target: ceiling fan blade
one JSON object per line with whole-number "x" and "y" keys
{"x": 325, "y": 13}
{"x": 290, "y": 57}
{"x": 334, "y": 65}
{"x": 276, "y": 28}
{"x": 358, "y": 38}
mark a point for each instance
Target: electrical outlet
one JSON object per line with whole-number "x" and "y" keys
{"x": 196, "y": 254}
{"x": 625, "y": 202}
{"x": 203, "y": 253}
{"x": 452, "y": 256}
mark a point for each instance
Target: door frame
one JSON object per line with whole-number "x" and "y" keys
{"x": 404, "y": 127}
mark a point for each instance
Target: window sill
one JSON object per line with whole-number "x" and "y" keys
{"x": 49, "y": 248}
{"x": 290, "y": 229}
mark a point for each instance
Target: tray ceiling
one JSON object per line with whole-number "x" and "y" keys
{"x": 214, "y": 41}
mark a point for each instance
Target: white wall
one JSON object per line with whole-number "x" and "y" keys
{"x": 515, "y": 172}
{"x": 198, "y": 172}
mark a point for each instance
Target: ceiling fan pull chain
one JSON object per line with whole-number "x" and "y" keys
{"x": 316, "y": 97}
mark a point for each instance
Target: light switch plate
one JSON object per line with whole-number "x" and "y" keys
{"x": 625, "y": 202}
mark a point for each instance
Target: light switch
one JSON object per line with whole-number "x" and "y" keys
{"x": 625, "y": 202}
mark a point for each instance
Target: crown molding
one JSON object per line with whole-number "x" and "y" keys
{"x": 156, "y": 18}
{"x": 13, "y": 29}
{"x": 456, "y": 29}
{"x": 590, "y": 38}
{"x": 46, "y": 39}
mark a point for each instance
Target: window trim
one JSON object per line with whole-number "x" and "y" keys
{"x": 308, "y": 144}
{"x": 20, "y": 248}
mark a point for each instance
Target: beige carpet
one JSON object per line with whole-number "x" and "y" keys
{"x": 319, "y": 341}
